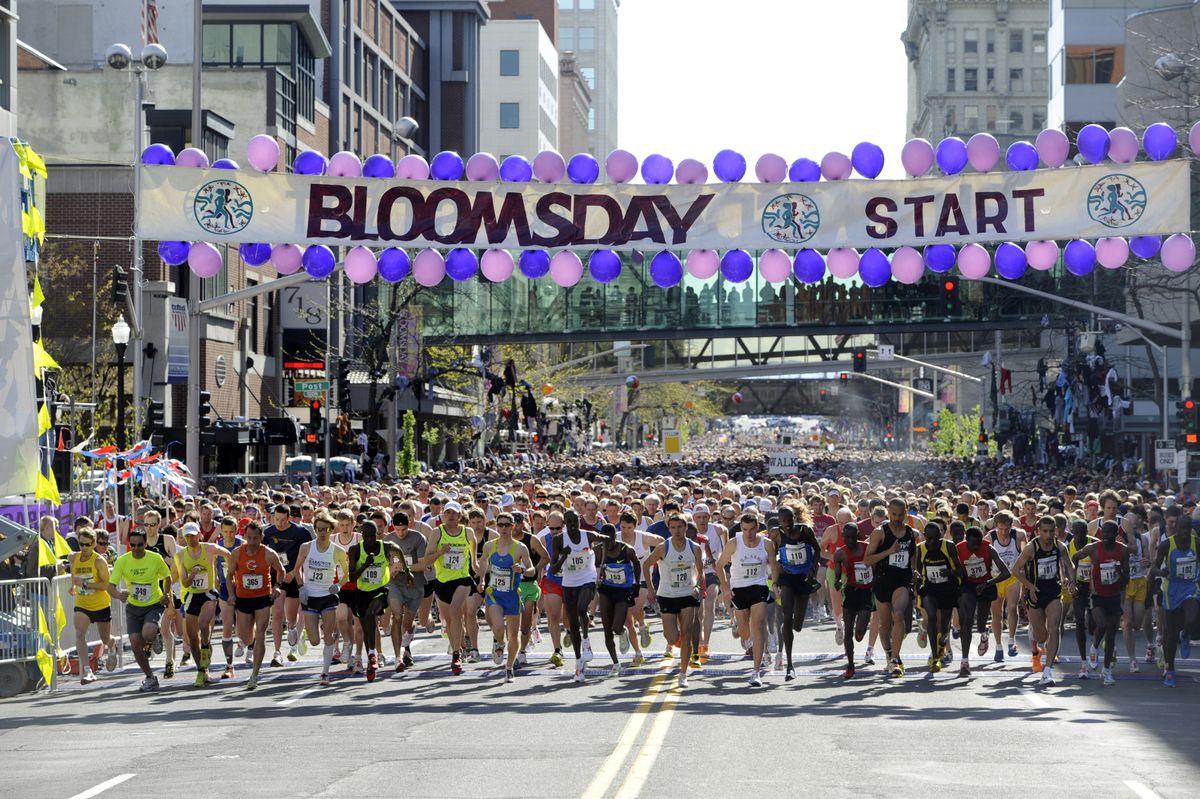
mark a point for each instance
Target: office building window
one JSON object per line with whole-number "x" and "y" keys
{"x": 990, "y": 38}
{"x": 1016, "y": 41}
{"x": 566, "y": 39}
{"x": 1088, "y": 64}
{"x": 970, "y": 79}
{"x": 587, "y": 38}
{"x": 566, "y": 5}
{"x": 589, "y": 76}
{"x": 1016, "y": 120}
{"x": 951, "y": 43}
{"x": 1037, "y": 120}
{"x": 990, "y": 79}
{"x": 510, "y": 62}
{"x": 951, "y": 82}
{"x": 591, "y": 119}
{"x": 991, "y": 117}
{"x": 970, "y": 41}
{"x": 950, "y": 121}
{"x": 1038, "y": 42}
{"x": 587, "y": 5}
{"x": 1016, "y": 79}
{"x": 1038, "y": 76}
{"x": 971, "y": 118}
{"x": 247, "y": 44}
{"x": 510, "y": 116}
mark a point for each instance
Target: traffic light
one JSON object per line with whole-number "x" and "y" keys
{"x": 120, "y": 286}
{"x": 205, "y": 408}
{"x": 343, "y": 384}
{"x": 845, "y": 378}
{"x": 982, "y": 431}
{"x": 314, "y": 414}
{"x": 950, "y": 303}
{"x": 1191, "y": 424}
{"x": 934, "y": 428}
{"x": 155, "y": 419}
{"x": 824, "y": 394}
{"x": 859, "y": 357}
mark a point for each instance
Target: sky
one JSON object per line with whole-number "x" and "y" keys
{"x": 795, "y": 77}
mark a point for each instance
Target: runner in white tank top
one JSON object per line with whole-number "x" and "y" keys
{"x": 751, "y": 556}
{"x": 643, "y": 544}
{"x": 320, "y": 563}
{"x": 575, "y": 560}
{"x": 679, "y": 589}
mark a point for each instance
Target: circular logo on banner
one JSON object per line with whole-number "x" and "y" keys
{"x": 223, "y": 207}
{"x": 791, "y": 218}
{"x": 1117, "y": 201}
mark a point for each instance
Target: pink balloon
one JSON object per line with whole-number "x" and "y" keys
{"x": 771, "y": 168}
{"x": 192, "y": 157}
{"x": 691, "y": 171}
{"x": 983, "y": 152}
{"x": 344, "y": 164}
{"x": 842, "y": 262}
{"x": 360, "y": 264}
{"x": 907, "y": 265}
{"x": 1041, "y": 255}
{"x": 286, "y": 258}
{"x": 262, "y": 152}
{"x": 566, "y": 269}
{"x": 483, "y": 166}
{"x": 917, "y": 157}
{"x": 549, "y": 166}
{"x": 703, "y": 264}
{"x": 496, "y": 265}
{"x": 429, "y": 267}
{"x": 412, "y": 167}
{"x": 1178, "y": 252}
{"x": 1194, "y": 138}
{"x": 621, "y": 166}
{"x": 775, "y": 266}
{"x": 837, "y": 166}
{"x": 205, "y": 259}
{"x": 1123, "y": 145}
{"x": 1053, "y": 147}
{"x": 973, "y": 261}
{"x": 1112, "y": 252}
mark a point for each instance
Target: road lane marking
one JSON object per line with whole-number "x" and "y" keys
{"x": 639, "y": 770}
{"x": 612, "y": 764}
{"x": 297, "y": 696}
{"x": 1035, "y": 700}
{"x": 104, "y": 786}
{"x": 1141, "y": 790}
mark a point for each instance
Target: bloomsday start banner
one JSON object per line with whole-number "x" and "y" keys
{"x": 217, "y": 205}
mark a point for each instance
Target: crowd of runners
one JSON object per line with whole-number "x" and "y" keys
{"x": 963, "y": 554}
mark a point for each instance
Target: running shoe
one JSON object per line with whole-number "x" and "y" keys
{"x": 239, "y": 650}
{"x": 456, "y": 663}
{"x": 252, "y": 683}
{"x": 537, "y": 636}
{"x": 579, "y": 672}
{"x": 508, "y": 675}
{"x": 1048, "y": 678}
{"x": 1012, "y": 649}
{"x": 169, "y": 669}
{"x": 839, "y": 635}
{"x": 1093, "y": 658}
{"x": 695, "y": 660}
{"x": 623, "y": 641}
{"x": 982, "y": 649}
{"x": 407, "y": 658}
{"x": 358, "y": 665}
{"x": 935, "y": 665}
{"x": 947, "y": 656}
{"x": 430, "y": 626}
{"x": 187, "y": 658}
{"x": 303, "y": 645}
{"x": 522, "y": 659}
{"x": 472, "y": 655}
{"x": 869, "y": 656}
{"x": 1084, "y": 672}
{"x": 372, "y": 665}
{"x": 148, "y": 684}
{"x": 703, "y": 652}
{"x": 228, "y": 673}
{"x": 1134, "y": 668}
{"x": 205, "y": 657}
{"x": 779, "y": 661}
{"x": 1149, "y": 652}
{"x": 400, "y": 667}
{"x": 1109, "y": 679}
{"x": 954, "y": 633}
{"x": 644, "y": 636}
{"x": 498, "y": 653}
{"x": 556, "y": 659}
{"x": 323, "y": 680}
{"x": 922, "y": 636}
{"x": 999, "y": 656}
{"x": 293, "y": 637}
{"x": 1037, "y": 663}
{"x": 683, "y": 679}
{"x": 1169, "y": 679}
{"x": 964, "y": 669}
{"x": 110, "y": 660}
{"x": 1185, "y": 645}
{"x": 615, "y": 671}
{"x": 669, "y": 652}
{"x": 276, "y": 661}
{"x": 158, "y": 644}
{"x": 1161, "y": 661}
{"x": 790, "y": 674}
{"x": 897, "y": 669}
{"x": 848, "y": 673}
{"x": 755, "y": 680}
{"x": 201, "y": 679}
{"x": 586, "y": 650}
{"x": 638, "y": 660}
{"x": 291, "y": 655}
{"x": 88, "y": 678}
{"x": 772, "y": 643}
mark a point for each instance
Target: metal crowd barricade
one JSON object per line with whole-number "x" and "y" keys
{"x": 20, "y": 639}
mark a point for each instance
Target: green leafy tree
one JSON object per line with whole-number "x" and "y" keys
{"x": 406, "y": 461}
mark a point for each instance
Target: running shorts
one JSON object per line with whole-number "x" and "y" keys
{"x": 675, "y": 605}
{"x": 746, "y": 597}
{"x": 1135, "y": 590}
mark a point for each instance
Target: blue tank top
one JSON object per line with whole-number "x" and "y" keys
{"x": 220, "y": 562}
{"x": 618, "y": 573}
{"x": 796, "y": 557}
{"x": 548, "y": 540}
{"x": 504, "y": 578}
{"x": 1180, "y": 583}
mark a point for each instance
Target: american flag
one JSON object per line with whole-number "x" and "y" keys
{"x": 150, "y": 22}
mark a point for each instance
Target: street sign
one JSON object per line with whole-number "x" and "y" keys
{"x": 923, "y": 384}
{"x": 310, "y": 386}
{"x": 1165, "y": 454}
{"x": 672, "y": 444}
{"x": 887, "y": 352}
{"x": 312, "y": 394}
{"x": 782, "y": 461}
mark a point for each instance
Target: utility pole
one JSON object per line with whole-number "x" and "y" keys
{"x": 194, "y": 460}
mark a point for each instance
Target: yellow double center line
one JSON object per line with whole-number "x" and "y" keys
{"x": 666, "y": 697}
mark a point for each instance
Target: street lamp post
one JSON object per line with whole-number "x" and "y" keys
{"x": 120, "y": 337}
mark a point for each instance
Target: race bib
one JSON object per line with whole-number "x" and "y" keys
{"x": 318, "y": 576}
{"x": 454, "y": 558}
{"x": 200, "y": 581}
{"x": 1047, "y": 568}
{"x": 577, "y": 561}
{"x": 372, "y": 575}
{"x": 1186, "y": 568}
{"x": 863, "y": 574}
{"x": 502, "y": 580}
{"x": 751, "y": 571}
{"x": 252, "y": 582}
{"x": 899, "y": 559}
{"x": 1084, "y": 573}
{"x": 1110, "y": 573}
{"x": 681, "y": 576}
{"x": 936, "y": 574}
{"x": 614, "y": 575}
{"x": 976, "y": 568}
{"x": 795, "y": 554}
{"x": 283, "y": 558}
{"x": 141, "y": 592}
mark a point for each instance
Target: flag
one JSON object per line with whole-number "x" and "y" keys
{"x": 45, "y": 663}
{"x": 43, "y": 419}
{"x": 42, "y": 359}
{"x": 47, "y": 489}
{"x": 36, "y": 298}
{"x": 150, "y": 22}
{"x": 60, "y": 621}
{"x": 45, "y": 554}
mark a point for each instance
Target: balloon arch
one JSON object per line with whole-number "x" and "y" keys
{"x": 806, "y": 219}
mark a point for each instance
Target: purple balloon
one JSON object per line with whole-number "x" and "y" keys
{"x": 951, "y": 155}
{"x": 1145, "y": 246}
{"x": 549, "y": 166}
{"x": 1021, "y": 156}
{"x": 583, "y": 168}
{"x": 319, "y": 261}
{"x": 1053, "y": 147}
{"x": 516, "y": 169}
{"x": 804, "y": 170}
{"x": 255, "y": 254}
{"x": 1093, "y": 143}
{"x": 836, "y": 166}
{"x": 174, "y": 253}
{"x": 412, "y": 167}
{"x": 394, "y": 264}
{"x": 729, "y": 166}
{"x": 973, "y": 261}
{"x": 604, "y": 266}
{"x": 657, "y": 169}
{"x": 1010, "y": 261}
{"x": 461, "y": 264}
{"x": 907, "y": 266}
{"x": 1079, "y": 256}
{"x": 225, "y": 163}
{"x": 737, "y": 266}
{"x": 205, "y": 260}
{"x": 1123, "y": 145}
{"x": 690, "y": 172}
{"x": 983, "y": 151}
{"x": 192, "y": 157}
{"x": 1042, "y": 254}
{"x": 939, "y": 257}
{"x": 446, "y": 165}
{"x": 262, "y": 151}
{"x": 286, "y": 258}
{"x": 158, "y": 155}
{"x": 867, "y": 159}
{"x": 621, "y": 166}
{"x": 534, "y": 263}
{"x": 1177, "y": 255}
{"x": 873, "y": 268}
{"x": 378, "y": 166}
{"x": 917, "y": 157}
{"x": 1159, "y": 141}
{"x": 309, "y": 162}
{"x": 483, "y": 166}
{"x": 666, "y": 270}
{"x": 808, "y": 266}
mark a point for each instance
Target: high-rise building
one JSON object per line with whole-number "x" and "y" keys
{"x": 588, "y": 28}
{"x": 976, "y": 66}
{"x": 9, "y": 55}
{"x": 519, "y": 82}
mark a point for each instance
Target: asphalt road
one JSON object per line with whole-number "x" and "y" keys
{"x": 430, "y": 734}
